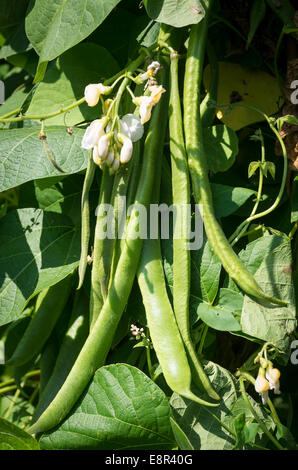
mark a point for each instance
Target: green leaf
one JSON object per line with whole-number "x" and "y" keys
{"x": 253, "y": 166}
{"x": 270, "y": 260}
{"x": 121, "y": 409}
{"x": 284, "y": 10}
{"x": 12, "y": 13}
{"x": 252, "y": 433}
{"x": 65, "y": 82}
{"x": 228, "y": 199}
{"x": 294, "y": 202}
{"x": 289, "y": 119}
{"x": 23, "y": 157}
{"x": 205, "y": 274}
{"x": 221, "y": 147}
{"x": 17, "y": 42}
{"x": 13, "y": 438}
{"x": 218, "y": 317}
{"x": 271, "y": 169}
{"x": 37, "y": 250}
{"x": 180, "y": 437}
{"x": 203, "y": 431}
{"x": 230, "y": 299}
{"x": 257, "y": 14}
{"x": 175, "y": 13}
{"x": 22, "y": 411}
{"x": 284, "y": 435}
{"x": 53, "y": 27}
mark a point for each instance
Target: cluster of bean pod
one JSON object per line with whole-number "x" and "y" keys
{"x": 117, "y": 262}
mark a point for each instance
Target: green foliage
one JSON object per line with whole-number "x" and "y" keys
{"x": 49, "y": 53}
{"x": 122, "y": 409}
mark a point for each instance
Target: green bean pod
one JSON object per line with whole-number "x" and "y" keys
{"x": 102, "y": 253}
{"x": 72, "y": 343}
{"x": 85, "y": 211}
{"x": 197, "y": 161}
{"x": 97, "y": 345}
{"x": 163, "y": 328}
{"x": 181, "y": 252}
{"x": 50, "y": 305}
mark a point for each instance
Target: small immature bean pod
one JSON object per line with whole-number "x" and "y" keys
{"x": 85, "y": 211}
{"x": 197, "y": 162}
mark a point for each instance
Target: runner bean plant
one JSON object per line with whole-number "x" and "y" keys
{"x": 128, "y": 130}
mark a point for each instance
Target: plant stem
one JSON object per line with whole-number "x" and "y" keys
{"x": 259, "y": 421}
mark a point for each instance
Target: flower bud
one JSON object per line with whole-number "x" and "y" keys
{"x": 126, "y": 151}
{"x": 262, "y": 386}
{"x": 92, "y": 94}
{"x": 103, "y": 146}
{"x": 273, "y": 375}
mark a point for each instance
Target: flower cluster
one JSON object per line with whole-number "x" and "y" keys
{"x": 111, "y": 138}
{"x": 137, "y": 332}
{"x": 268, "y": 379}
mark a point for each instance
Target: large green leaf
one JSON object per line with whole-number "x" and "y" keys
{"x": 23, "y": 157}
{"x": 270, "y": 259}
{"x": 37, "y": 250}
{"x": 221, "y": 146}
{"x": 122, "y": 409}
{"x": 53, "y": 27}
{"x": 14, "y": 438}
{"x": 65, "y": 83}
{"x": 175, "y": 13}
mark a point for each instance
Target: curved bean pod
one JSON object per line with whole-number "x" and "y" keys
{"x": 181, "y": 253}
{"x": 163, "y": 328}
{"x": 197, "y": 162}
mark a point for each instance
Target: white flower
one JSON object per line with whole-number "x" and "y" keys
{"x": 262, "y": 386}
{"x": 103, "y": 146}
{"x": 131, "y": 127}
{"x": 156, "y": 92}
{"x": 126, "y": 150}
{"x": 153, "y": 68}
{"x": 93, "y": 133}
{"x": 93, "y": 91}
{"x": 146, "y": 103}
{"x": 273, "y": 375}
